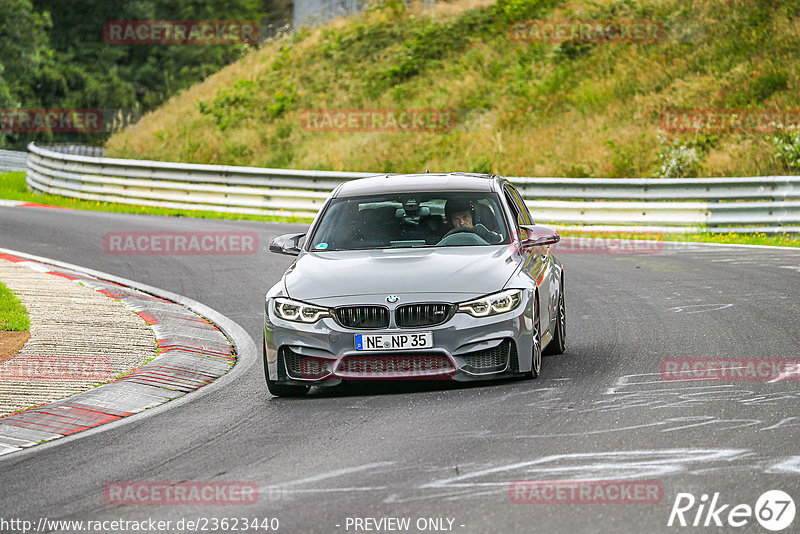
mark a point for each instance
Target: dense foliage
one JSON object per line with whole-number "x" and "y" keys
{"x": 53, "y": 54}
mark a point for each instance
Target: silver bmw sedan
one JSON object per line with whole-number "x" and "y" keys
{"x": 412, "y": 277}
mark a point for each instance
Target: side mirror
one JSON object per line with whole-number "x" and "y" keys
{"x": 286, "y": 244}
{"x": 539, "y": 236}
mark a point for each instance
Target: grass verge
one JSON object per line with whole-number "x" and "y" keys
{"x": 774, "y": 240}
{"x": 13, "y": 315}
{"x": 13, "y": 187}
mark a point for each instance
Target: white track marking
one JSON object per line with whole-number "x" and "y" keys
{"x": 597, "y": 466}
{"x": 788, "y": 465}
{"x": 711, "y": 308}
{"x": 331, "y": 474}
{"x": 781, "y": 423}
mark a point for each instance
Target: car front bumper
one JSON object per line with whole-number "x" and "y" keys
{"x": 464, "y": 348}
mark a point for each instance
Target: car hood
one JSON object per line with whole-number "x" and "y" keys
{"x": 467, "y": 271}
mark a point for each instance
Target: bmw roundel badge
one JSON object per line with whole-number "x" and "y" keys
{"x": 392, "y": 298}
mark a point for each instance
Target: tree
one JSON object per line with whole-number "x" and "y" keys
{"x": 23, "y": 49}
{"x": 53, "y": 54}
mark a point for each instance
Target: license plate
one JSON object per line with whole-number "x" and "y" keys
{"x": 409, "y": 341}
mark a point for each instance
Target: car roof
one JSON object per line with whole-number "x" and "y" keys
{"x": 400, "y": 183}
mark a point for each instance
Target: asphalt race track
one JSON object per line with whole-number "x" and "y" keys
{"x": 600, "y": 411}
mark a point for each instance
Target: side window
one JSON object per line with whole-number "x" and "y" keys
{"x": 519, "y": 216}
{"x": 523, "y": 209}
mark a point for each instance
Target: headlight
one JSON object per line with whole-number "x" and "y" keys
{"x": 299, "y": 312}
{"x": 495, "y": 304}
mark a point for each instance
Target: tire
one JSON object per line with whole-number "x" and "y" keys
{"x": 558, "y": 344}
{"x": 281, "y": 390}
{"x": 536, "y": 351}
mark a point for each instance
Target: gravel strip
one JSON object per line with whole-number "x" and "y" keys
{"x": 79, "y": 338}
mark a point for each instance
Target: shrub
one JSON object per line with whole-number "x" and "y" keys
{"x": 787, "y": 146}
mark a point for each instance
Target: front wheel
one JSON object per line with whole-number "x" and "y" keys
{"x": 536, "y": 351}
{"x": 283, "y": 390}
{"x": 558, "y": 343}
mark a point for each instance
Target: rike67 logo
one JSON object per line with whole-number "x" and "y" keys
{"x": 774, "y": 510}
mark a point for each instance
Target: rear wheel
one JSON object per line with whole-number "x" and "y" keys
{"x": 281, "y": 390}
{"x": 536, "y": 342}
{"x": 558, "y": 344}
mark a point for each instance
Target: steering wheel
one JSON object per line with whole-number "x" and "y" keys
{"x": 468, "y": 235}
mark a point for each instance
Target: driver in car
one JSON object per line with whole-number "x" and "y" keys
{"x": 461, "y": 214}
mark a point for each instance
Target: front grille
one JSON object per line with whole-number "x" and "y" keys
{"x": 362, "y": 316}
{"x": 406, "y": 365}
{"x": 414, "y": 315}
{"x": 489, "y": 360}
{"x": 308, "y": 367}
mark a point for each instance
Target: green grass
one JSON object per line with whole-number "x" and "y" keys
{"x": 13, "y": 315}
{"x": 13, "y": 187}
{"x": 775, "y": 240}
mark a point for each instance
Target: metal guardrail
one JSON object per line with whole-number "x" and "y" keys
{"x": 11, "y": 160}
{"x": 77, "y": 150}
{"x": 762, "y": 204}
{"x": 218, "y": 188}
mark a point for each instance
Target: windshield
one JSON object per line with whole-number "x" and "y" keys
{"x": 405, "y": 220}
